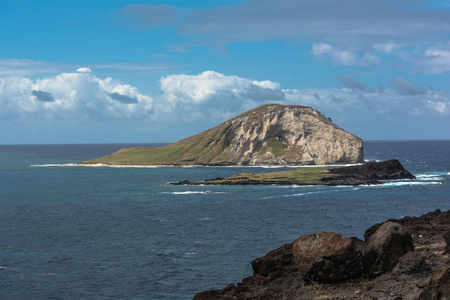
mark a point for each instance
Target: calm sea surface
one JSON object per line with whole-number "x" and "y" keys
{"x": 71, "y": 232}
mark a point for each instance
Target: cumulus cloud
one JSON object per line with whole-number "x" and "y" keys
{"x": 71, "y": 96}
{"x": 404, "y": 87}
{"x": 213, "y": 86}
{"x": 211, "y": 95}
{"x": 207, "y": 97}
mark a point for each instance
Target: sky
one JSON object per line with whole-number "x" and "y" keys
{"x": 117, "y": 71}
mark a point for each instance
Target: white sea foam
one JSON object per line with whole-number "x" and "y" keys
{"x": 432, "y": 176}
{"x": 116, "y": 166}
{"x": 429, "y": 178}
{"x": 403, "y": 183}
{"x": 205, "y": 219}
{"x": 290, "y": 195}
{"x": 54, "y": 165}
{"x": 196, "y": 192}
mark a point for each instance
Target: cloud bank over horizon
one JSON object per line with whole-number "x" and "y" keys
{"x": 206, "y": 96}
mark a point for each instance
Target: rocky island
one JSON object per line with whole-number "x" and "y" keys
{"x": 271, "y": 134}
{"x": 369, "y": 173}
{"x": 399, "y": 259}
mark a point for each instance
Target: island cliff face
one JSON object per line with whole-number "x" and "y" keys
{"x": 271, "y": 134}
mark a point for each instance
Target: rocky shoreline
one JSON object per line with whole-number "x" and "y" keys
{"x": 406, "y": 258}
{"x": 369, "y": 173}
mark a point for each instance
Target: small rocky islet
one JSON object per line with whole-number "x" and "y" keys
{"x": 369, "y": 173}
{"x": 406, "y": 258}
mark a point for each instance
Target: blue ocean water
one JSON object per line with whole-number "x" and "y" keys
{"x": 71, "y": 232}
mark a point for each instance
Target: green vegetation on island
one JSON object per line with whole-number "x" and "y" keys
{"x": 300, "y": 176}
{"x": 369, "y": 173}
{"x": 271, "y": 134}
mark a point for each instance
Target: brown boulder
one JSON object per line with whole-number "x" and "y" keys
{"x": 385, "y": 247}
{"x": 275, "y": 263}
{"x": 327, "y": 257}
{"x": 439, "y": 285}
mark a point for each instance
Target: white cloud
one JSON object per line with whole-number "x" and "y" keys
{"x": 84, "y": 70}
{"x": 440, "y": 107}
{"x": 435, "y": 61}
{"x": 206, "y": 97}
{"x": 71, "y": 96}
{"x": 212, "y": 86}
{"x": 324, "y": 51}
{"x": 212, "y": 96}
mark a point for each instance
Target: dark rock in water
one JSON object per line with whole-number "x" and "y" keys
{"x": 385, "y": 247}
{"x": 439, "y": 286}
{"x": 327, "y": 257}
{"x": 384, "y": 170}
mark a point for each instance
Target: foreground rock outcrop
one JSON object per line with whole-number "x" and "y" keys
{"x": 327, "y": 257}
{"x": 411, "y": 263}
{"x": 271, "y": 134}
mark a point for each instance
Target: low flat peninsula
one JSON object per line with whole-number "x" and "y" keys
{"x": 268, "y": 135}
{"x": 369, "y": 173}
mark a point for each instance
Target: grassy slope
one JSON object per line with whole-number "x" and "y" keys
{"x": 206, "y": 148}
{"x": 302, "y": 176}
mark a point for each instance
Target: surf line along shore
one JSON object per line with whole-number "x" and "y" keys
{"x": 369, "y": 173}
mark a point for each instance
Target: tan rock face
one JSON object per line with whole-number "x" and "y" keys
{"x": 279, "y": 135}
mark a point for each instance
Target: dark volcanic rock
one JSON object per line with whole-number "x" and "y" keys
{"x": 327, "y": 257}
{"x": 447, "y": 241}
{"x": 439, "y": 286}
{"x": 385, "y": 247}
{"x": 275, "y": 263}
{"x": 384, "y": 170}
{"x": 420, "y": 274}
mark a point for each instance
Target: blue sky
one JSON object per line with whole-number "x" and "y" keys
{"x": 158, "y": 71}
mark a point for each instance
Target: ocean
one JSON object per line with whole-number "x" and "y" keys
{"x": 76, "y": 232}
